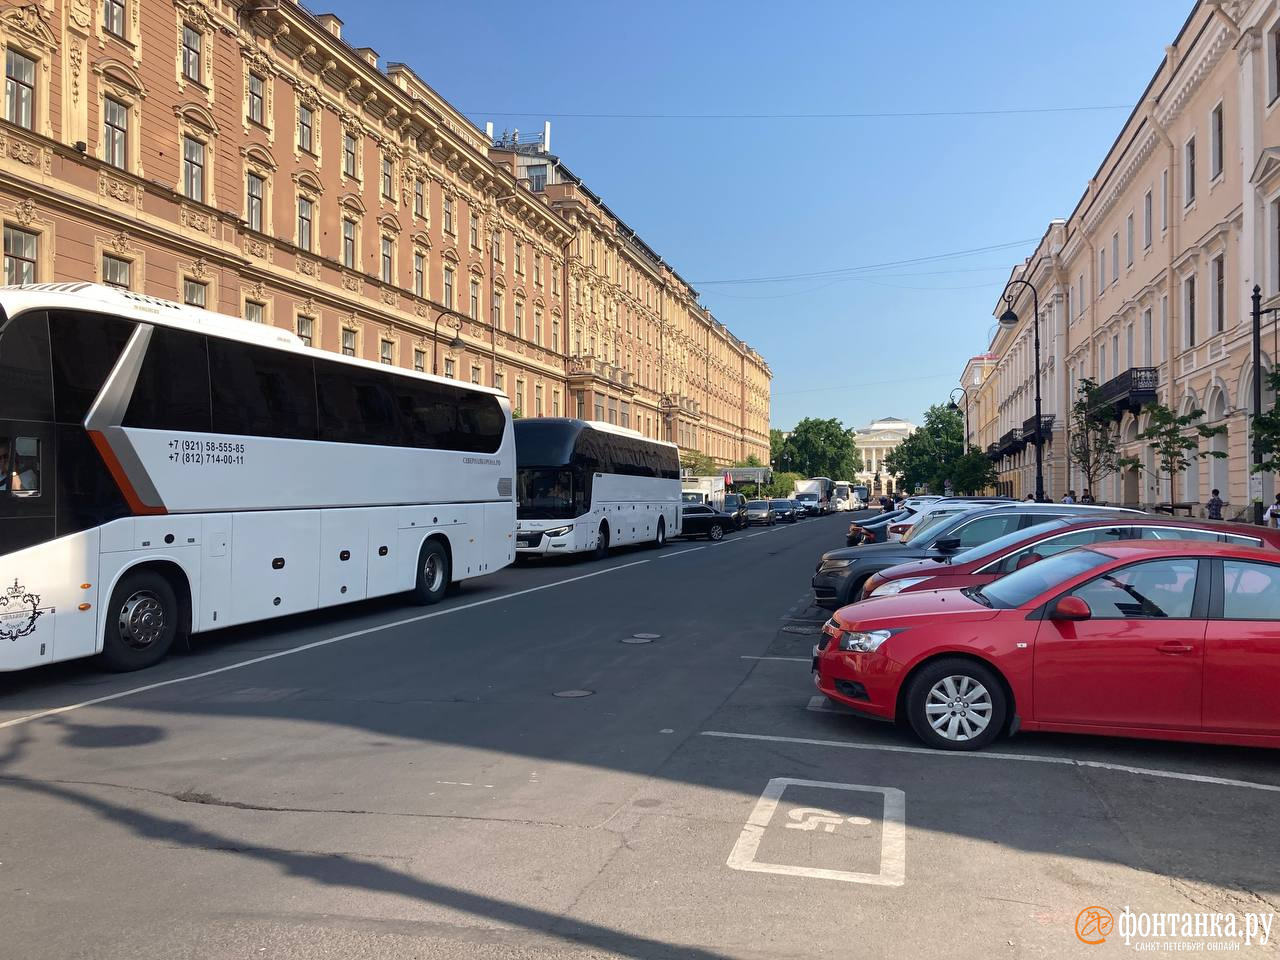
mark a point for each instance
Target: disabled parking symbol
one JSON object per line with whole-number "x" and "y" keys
{"x": 848, "y": 834}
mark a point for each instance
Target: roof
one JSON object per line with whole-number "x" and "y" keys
{"x": 1144, "y": 549}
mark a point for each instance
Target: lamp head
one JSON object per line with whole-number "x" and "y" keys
{"x": 1009, "y": 318}
{"x": 456, "y": 343}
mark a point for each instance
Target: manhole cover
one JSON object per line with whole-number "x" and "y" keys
{"x": 572, "y": 694}
{"x": 806, "y": 630}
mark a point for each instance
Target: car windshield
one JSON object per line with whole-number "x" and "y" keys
{"x": 1012, "y": 539}
{"x": 925, "y": 524}
{"x": 757, "y": 505}
{"x": 1028, "y": 583}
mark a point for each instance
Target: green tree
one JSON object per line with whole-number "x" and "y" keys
{"x": 820, "y": 448}
{"x": 776, "y": 443}
{"x": 751, "y": 461}
{"x": 972, "y": 473}
{"x": 1093, "y": 436}
{"x": 698, "y": 463}
{"x": 1266, "y": 426}
{"x": 782, "y": 484}
{"x": 929, "y": 456}
{"x": 1174, "y": 438}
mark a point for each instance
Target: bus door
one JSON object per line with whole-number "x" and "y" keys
{"x": 27, "y": 515}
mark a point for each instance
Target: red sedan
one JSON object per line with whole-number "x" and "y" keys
{"x": 1174, "y": 640}
{"x": 991, "y": 561}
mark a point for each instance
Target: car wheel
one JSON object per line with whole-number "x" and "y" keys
{"x": 602, "y": 542}
{"x": 142, "y": 621}
{"x": 716, "y": 532}
{"x": 433, "y": 573}
{"x": 956, "y": 704}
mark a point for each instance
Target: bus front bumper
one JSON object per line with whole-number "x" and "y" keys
{"x": 537, "y": 542}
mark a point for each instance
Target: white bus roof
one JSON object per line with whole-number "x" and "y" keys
{"x": 146, "y": 309}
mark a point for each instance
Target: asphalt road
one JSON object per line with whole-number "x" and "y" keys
{"x": 396, "y": 781}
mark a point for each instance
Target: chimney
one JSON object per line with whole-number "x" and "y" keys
{"x": 488, "y": 130}
{"x": 331, "y": 23}
{"x": 546, "y": 136}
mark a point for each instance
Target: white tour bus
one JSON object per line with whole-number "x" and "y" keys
{"x": 583, "y": 485}
{"x": 166, "y": 470}
{"x": 842, "y": 498}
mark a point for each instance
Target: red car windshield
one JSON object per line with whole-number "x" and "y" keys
{"x": 1028, "y": 583}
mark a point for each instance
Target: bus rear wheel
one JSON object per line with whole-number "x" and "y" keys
{"x": 142, "y": 621}
{"x": 433, "y": 573}
{"x": 602, "y": 542}
{"x": 660, "y": 538}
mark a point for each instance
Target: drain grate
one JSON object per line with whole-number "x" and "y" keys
{"x": 807, "y": 631}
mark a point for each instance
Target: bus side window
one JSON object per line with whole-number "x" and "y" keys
{"x": 86, "y": 347}
{"x": 24, "y": 470}
{"x": 26, "y": 391}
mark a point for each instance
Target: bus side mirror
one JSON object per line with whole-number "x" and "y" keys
{"x": 1071, "y": 608}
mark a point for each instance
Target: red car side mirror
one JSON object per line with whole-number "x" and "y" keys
{"x": 1026, "y": 560}
{"x": 1071, "y": 608}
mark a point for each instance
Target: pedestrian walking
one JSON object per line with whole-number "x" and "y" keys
{"x": 1070, "y": 497}
{"x": 1271, "y": 516}
{"x": 1087, "y": 497}
{"x": 1213, "y": 509}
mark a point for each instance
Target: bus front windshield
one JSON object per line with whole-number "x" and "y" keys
{"x": 549, "y": 493}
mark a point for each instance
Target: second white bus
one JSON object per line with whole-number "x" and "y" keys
{"x": 589, "y": 486}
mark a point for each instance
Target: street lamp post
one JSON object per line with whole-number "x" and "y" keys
{"x": 1257, "y": 390}
{"x": 1010, "y": 319}
{"x": 964, "y": 393}
{"x": 456, "y": 343}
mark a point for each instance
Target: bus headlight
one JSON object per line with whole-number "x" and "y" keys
{"x": 558, "y": 531}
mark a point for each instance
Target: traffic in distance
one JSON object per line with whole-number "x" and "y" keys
{"x": 171, "y": 471}
{"x": 979, "y": 618}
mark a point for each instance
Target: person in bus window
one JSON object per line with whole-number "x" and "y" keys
{"x": 18, "y": 475}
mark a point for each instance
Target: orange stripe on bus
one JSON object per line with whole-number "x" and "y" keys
{"x": 122, "y": 480}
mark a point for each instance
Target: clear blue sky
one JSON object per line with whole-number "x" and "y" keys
{"x": 737, "y": 198}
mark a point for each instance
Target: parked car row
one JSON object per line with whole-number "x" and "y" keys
{"x": 1057, "y": 617}
{"x": 702, "y": 520}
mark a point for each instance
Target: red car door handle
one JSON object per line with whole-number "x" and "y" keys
{"x": 1175, "y": 648}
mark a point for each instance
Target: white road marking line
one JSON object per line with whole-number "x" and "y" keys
{"x": 893, "y": 834}
{"x": 290, "y": 651}
{"x": 989, "y": 755}
{"x": 792, "y": 659}
{"x": 679, "y": 552}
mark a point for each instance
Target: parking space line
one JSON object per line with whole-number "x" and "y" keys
{"x": 792, "y": 659}
{"x": 992, "y": 755}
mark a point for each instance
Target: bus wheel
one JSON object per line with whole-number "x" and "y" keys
{"x": 660, "y": 539}
{"x": 602, "y": 542}
{"x": 142, "y": 621}
{"x": 433, "y": 573}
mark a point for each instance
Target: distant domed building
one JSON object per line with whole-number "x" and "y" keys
{"x": 874, "y": 442}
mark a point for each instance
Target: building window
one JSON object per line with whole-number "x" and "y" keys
{"x": 500, "y": 381}
{"x": 305, "y": 327}
{"x": 537, "y": 269}
{"x": 386, "y": 353}
{"x": 254, "y": 185}
{"x": 419, "y": 360}
{"x": 537, "y": 326}
{"x": 348, "y": 242}
{"x": 448, "y": 287}
{"x": 537, "y": 400}
{"x": 520, "y": 258}
{"x": 349, "y": 154}
{"x": 191, "y": 43}
{"x": 1216, "y": 132}
{"x": 1217, "y": 276}
{"x": 1146, "y": 337}
{"x": 257, "y": 111}
{"x": 1115, "y": 257}
{"x": 520, "y": 397}
{"x": 193, "y": 169}
{"x": 113, "y": 17}
{"x": 388, "y": 258}
{"x": 474, "y": 230}
{"x": 388, "y": 179}
{"x": 625, "y": 415}
{"x": 306, "y": 216}
{"x": 537, "y": 177}
{"x": 580, "y": 406}
{"x": 115, "y": 272}
{"x": 254, "y": 311}
{"x": 496, "y": 243}
{"x": 474, "y": 308}
{"x": 19, "y": 89}
{"x": 115, "y": 133}
{"x": 419, "y": 198}
{"x": 518, "y": 324}
{"x": 448, "y": 367}
{"x": 1189, "y": 172}
{"x": 475, "y": 373}
{"x": 599, "y": 411}
{"x": 348, "y": 343}
{"x": 1189, "y": 302}
{"x": 1164, "y": 201}
{"x": 448, "y": 216}
{"x": 555, "y": 403}
{"x": 195, "y": 293}
{"x": 306, "y": 128}
{"x": 419, "y": 275}
{"x": 496, "y": 319}
{"x": 1128, "y": 240}
{"x": 555, "y": 334}
{"x": 1146, "y": 221}
{"x": 1102, "y": 272}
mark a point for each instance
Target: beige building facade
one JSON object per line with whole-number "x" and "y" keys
{"x": 1145, "y": 287}
{"x": 245, "y": 158}
{"x": 875, "y": 442}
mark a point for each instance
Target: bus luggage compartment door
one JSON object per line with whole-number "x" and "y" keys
{"x": 344, "y": 547}
{"x": 276, "y": 565}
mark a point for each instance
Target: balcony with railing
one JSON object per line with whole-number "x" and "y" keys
{"x": 1029, "y": 427}
{"x": 993, "y": 451}
{"x": 1011, "y": 442}
{"x": 1131, "y": 391}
